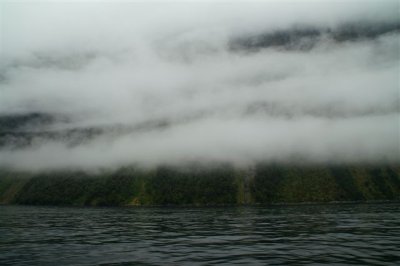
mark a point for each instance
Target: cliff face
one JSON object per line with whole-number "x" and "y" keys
{"x": 262, "y": 184}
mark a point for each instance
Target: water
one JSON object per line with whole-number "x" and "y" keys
{"x": 363, "y": 234}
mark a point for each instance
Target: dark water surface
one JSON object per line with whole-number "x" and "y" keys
{"x": 363, "y": 234}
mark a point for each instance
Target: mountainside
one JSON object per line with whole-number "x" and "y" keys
{"x": 199, "y": 185}
{"x": 305, "y": 96}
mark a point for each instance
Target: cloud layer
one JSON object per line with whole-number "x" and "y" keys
{"x": 106, "y": 85}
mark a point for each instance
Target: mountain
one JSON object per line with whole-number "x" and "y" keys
{"x": 203, "y": 185}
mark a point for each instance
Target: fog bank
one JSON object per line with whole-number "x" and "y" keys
{"x": 88, "y": 85}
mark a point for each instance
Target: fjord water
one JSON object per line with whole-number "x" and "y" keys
{"x": 363, "y": 234}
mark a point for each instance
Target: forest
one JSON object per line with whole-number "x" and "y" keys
{"x": 201, "y": 185}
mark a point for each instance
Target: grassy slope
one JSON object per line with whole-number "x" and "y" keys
{"x": 264, "y": 184}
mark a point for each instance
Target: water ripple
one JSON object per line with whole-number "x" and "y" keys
{"x": 363, "y": 234}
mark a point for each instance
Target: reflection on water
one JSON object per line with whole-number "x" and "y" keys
{"x": 361, "y": 234}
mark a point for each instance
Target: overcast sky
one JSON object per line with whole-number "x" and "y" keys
{"x": 177, "y": 82}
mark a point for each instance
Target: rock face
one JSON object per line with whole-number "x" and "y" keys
{"x": 200, "y": 185}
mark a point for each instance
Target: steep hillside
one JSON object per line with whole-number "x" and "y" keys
{"x": 199, "y": 185}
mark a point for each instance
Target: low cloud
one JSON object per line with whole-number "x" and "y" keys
{"x": 87, "y": 85}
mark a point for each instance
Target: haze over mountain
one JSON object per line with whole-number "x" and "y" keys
{"x": 88, "y": 85}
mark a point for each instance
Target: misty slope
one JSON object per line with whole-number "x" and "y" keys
{"x": 322, "y": 89}
{"x": 305, "y": 38}
{"x": 21, "y": 130}
{"x": 200, "y": 185}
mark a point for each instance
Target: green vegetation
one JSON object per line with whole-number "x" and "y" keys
{"x": 274, "y": 183}
{"x": 201, "y": 185}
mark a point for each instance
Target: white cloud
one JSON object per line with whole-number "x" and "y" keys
{"x": 168, "y": 68}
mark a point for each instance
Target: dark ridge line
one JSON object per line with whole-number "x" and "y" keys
{"x": 328, "y": 111}
{"x": 15, "y": 122}
{"x": 76, "y": 136}
{"x": 13, "y": 135}
{"x": 305, "y": 38}
{"x": 39, "y": 60}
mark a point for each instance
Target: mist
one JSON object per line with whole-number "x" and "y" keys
{"x": 94, "y": 85}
